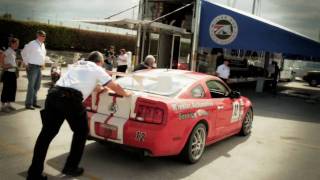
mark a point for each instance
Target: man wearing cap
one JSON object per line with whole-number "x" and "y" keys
{"x": 33, "y": 56}
{"x": 64, "y": 101}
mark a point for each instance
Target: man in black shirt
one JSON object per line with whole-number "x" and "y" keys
{"x": 275, "y": 77}
{"x": 110, "y": 60}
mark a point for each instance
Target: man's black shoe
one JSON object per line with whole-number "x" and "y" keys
{"x": 37, "y": 106}
{"x": 37, "y": 177}
{"x": 73, "y": 171}
{"x": 30, "y": 107}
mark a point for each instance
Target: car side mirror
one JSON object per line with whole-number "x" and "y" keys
{"x": 235, "y": 95}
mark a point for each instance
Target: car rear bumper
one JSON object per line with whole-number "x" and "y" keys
{"x": 141, "y": 151}
{"x": 158, "y": 139}
{"x": 152, "y": 139}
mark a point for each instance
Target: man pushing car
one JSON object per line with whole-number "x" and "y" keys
{"x": 64, "y": 101}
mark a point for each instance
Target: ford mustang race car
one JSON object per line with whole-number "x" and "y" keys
{"x": 171, "y": 112}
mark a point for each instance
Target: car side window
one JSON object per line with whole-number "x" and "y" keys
{"x": 198, "y": 92}
{"x": 217, "y": 89}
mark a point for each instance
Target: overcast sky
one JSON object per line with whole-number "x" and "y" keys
{"x": 302, "y": 16}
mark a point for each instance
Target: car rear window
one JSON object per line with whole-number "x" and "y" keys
{"x": 164, "y": 83}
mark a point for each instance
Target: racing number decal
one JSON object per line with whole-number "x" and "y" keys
{"x": 236, "y": 111}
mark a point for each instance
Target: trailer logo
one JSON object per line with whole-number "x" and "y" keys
{"x": 223, "y": 29}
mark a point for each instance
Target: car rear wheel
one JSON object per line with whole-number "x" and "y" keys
{"x": 195, "y": 146}
{"x": 247, "y": 123}
{"x": 313, "y": 83}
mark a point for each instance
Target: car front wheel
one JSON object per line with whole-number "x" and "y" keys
{"x": 247, "y": 123}
{"x": 195, "y": 146}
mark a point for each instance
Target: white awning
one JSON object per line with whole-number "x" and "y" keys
{"x": 132, "y": 24}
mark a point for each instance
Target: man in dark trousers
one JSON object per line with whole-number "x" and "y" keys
{"x": 110, "y": 61}
{"x": 275, "y": 77}
{"x": 64, "y": 101}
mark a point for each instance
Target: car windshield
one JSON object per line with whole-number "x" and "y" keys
{"x": 161, "y": 82}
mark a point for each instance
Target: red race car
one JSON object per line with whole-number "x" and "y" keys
{"x": 171, "y": 112}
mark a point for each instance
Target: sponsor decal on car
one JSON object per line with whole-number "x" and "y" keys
{"x": 185, "y": 106}
{"x": 201, "y": 113}
{"x": 184, "y": 116}
{"x": 193, "y": 115}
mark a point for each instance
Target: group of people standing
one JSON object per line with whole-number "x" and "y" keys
{"x": 122, "y": 61}
{"x": 33, "y": 55}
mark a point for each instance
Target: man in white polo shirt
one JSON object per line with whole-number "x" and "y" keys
{"x": 64, "y": 101}
{"x": 223, "y": 71}
{"x": 33, "y": 56}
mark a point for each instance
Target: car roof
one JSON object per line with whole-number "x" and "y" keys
{"x": 189, "y": 74}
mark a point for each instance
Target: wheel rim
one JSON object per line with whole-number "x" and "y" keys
{"x": 247, "y": 125}
{"x": 198, "y": 143}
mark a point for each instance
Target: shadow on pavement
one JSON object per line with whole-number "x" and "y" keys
{"x": 21, "y": 108}
{"x": 107, "y": 162}
{"x": 12, "y": 112}
{"x": 22, "y": 103}
{"x": 50, "y": 177}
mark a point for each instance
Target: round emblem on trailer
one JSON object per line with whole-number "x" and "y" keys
{"x": 223, "y": 29}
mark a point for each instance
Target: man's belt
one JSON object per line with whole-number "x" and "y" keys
{"x": 68, "y": 92}
{"x": 36, "y": 65}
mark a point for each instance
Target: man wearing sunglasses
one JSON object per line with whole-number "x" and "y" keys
{"x": 33, "y": 56}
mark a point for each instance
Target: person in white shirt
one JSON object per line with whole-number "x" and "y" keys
{"x": 64, "y": 101}
{"x": 223, "y": 71}
{"x": 33, "y": 56}
{"x": 9, "y": 77}
{"x": 122, "y": 61}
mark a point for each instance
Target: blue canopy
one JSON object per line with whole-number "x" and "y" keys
{"x": 222, "y": 27}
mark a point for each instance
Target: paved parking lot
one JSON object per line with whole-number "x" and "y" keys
{"x": 284, "y": 145}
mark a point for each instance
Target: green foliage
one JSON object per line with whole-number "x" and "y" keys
{"x": 7, "y": 16}
{"x": 62, "y": 38}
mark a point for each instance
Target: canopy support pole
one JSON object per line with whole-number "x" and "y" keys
{"x": 195, "y": 39}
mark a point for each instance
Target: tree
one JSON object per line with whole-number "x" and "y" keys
{"x": 7, "y": 16}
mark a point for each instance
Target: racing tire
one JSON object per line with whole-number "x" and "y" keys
{"x": 247, "y": 123}
{"x": 313, "y": 83}
{"x": 195, "y": 146}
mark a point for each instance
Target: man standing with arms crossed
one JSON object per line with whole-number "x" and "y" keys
{"x": 33, "y": 56}
{"x": 64, "y": 101}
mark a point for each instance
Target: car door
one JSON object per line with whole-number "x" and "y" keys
{"x": 200, "y": 95}
{"x": 225, "y": 106}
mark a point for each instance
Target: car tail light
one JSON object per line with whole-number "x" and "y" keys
{"x": 106, "y": 130}
{"x": 149, "y": 114}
